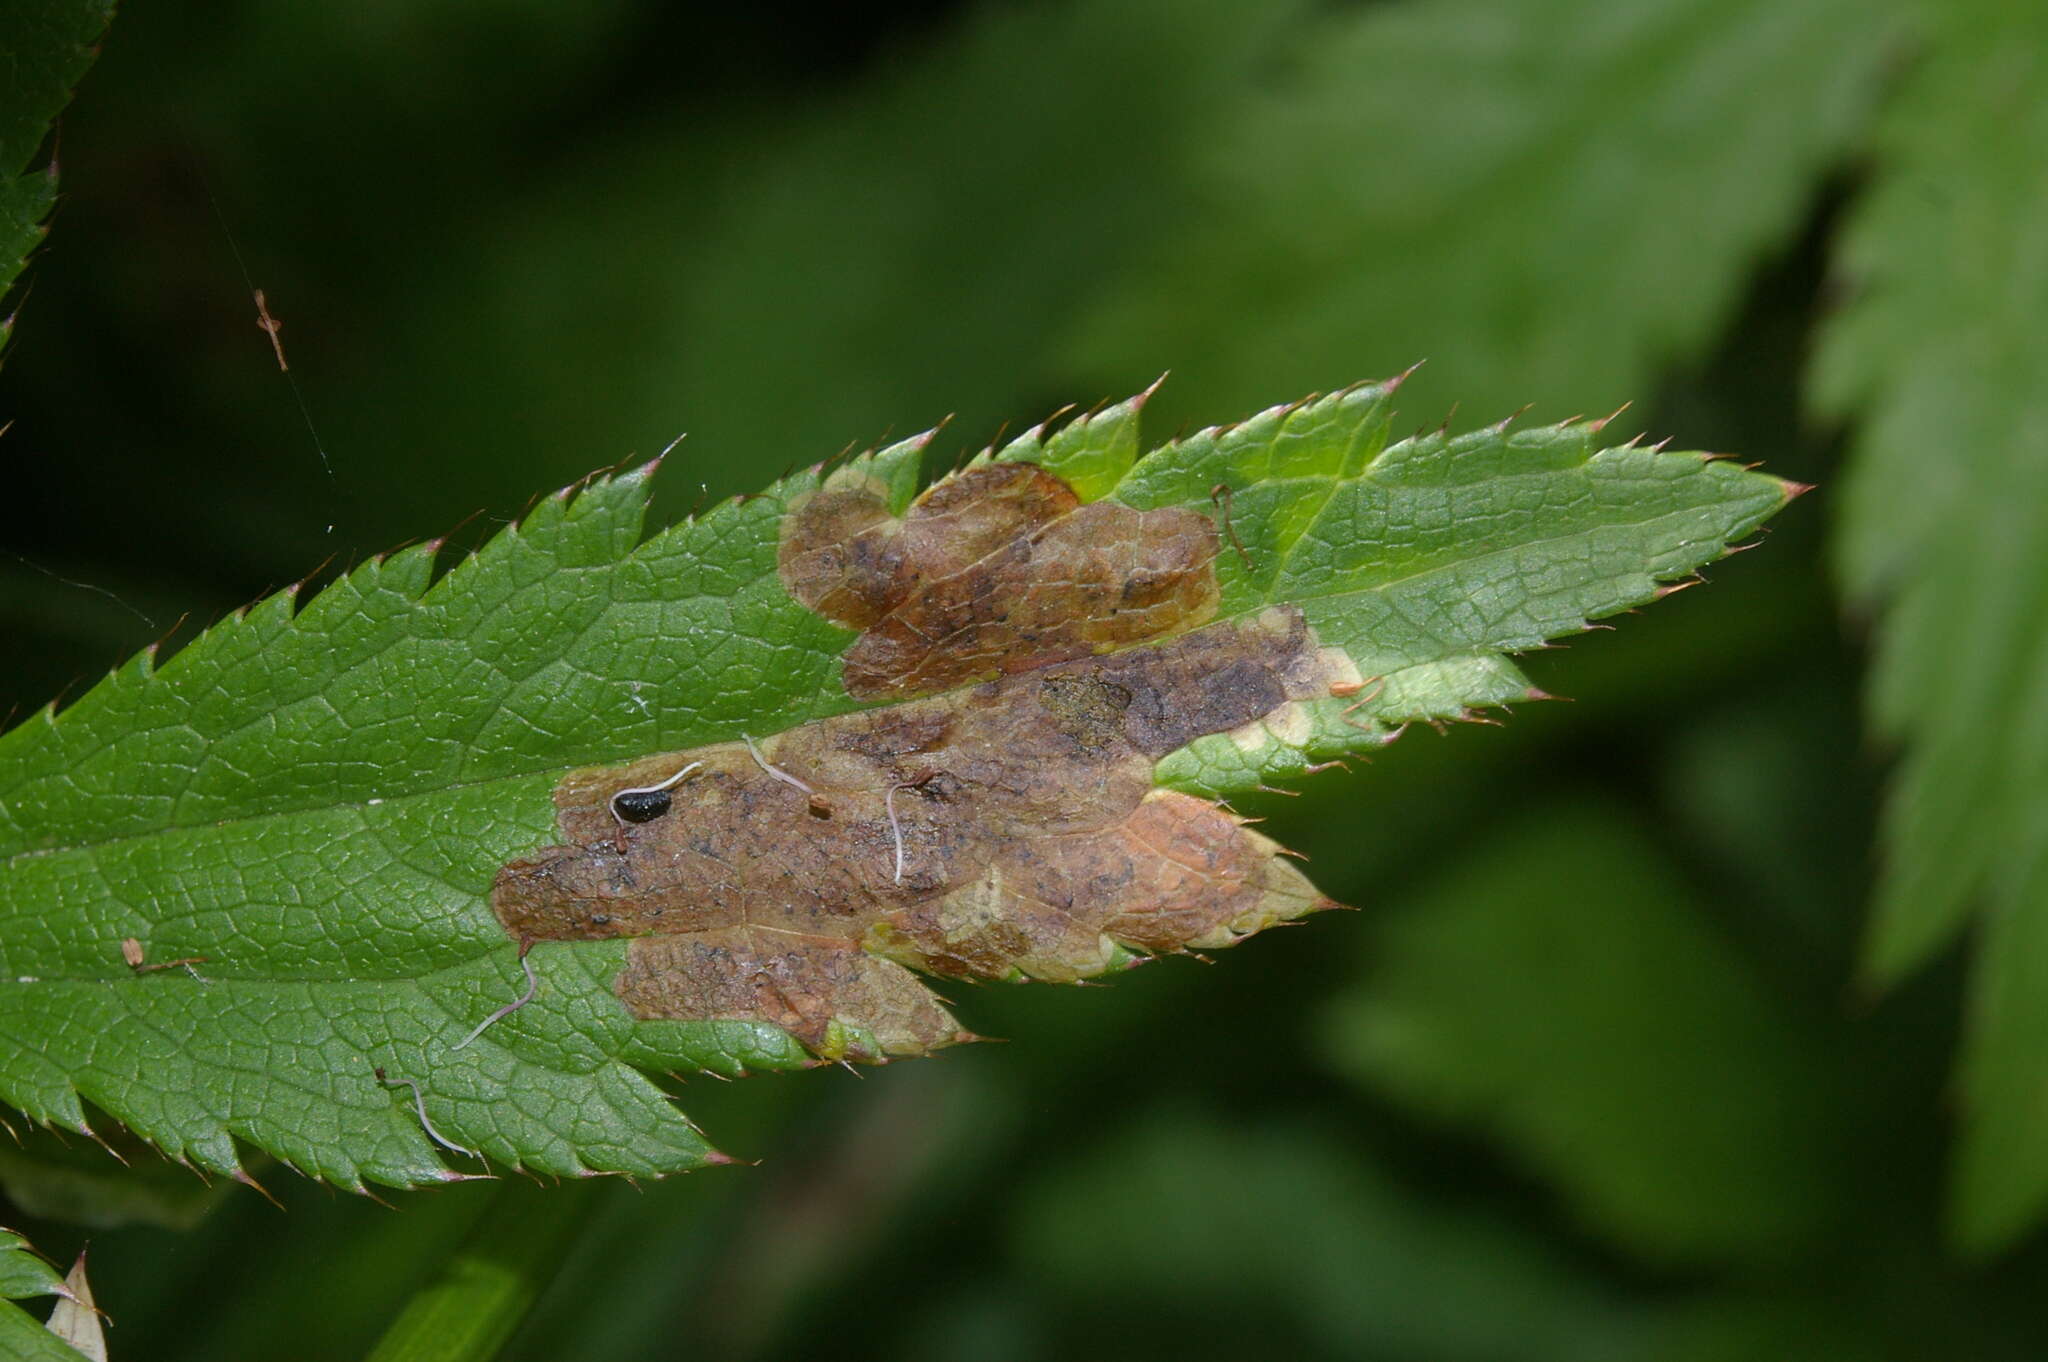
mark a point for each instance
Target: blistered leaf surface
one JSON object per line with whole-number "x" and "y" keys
{"x": 1008, "y": 830}
{"x": 997, "y": 569}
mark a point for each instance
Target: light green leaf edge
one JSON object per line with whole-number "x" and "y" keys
{"x": 315, "y": 794}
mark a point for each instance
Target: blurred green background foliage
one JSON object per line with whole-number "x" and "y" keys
{"x": 1597, "y": 1072}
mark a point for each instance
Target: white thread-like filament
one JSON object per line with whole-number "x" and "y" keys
{"x": 532, "y": 991}
{"x": 895, "y": 828}
{"x": 613, "y": 803}
{"x": 776, "y": 771}
{"x": 419, "y": 1102}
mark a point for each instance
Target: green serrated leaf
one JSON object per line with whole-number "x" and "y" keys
{"x": 1091, "y": 453}
{"x": 1945, "y": 530}
{"x": 1380, "y": 545}
{"x": 45, "y": 47}
{"x": 247, "y": 892}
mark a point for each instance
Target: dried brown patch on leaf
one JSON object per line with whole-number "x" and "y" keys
{"x": 811, "y": 987}
{"x": 995, "y": 570}
{"x": 1009, "y": 830}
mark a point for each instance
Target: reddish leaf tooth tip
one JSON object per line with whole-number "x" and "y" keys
{"x": 1500, "y": 427}
{"x": 1794, "y": 490}
{"x": 242, "y": 1176}
{"x": 1601, "y": 423}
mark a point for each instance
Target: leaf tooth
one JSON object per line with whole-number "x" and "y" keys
{"x": 1500, "y": 427}
{"x": 248, "y": 1179}
{"x": 1600, "y": 423}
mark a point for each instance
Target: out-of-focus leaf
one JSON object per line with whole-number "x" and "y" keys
{"x": 1563, "y": 991}
{"x": 22, "y": 1275}
{"x": 81, "y": 1182}
{"x": 1186, "y": 1216}
{"x": 1739, "y": 1327}
{"x": 477, "y": 1298}
{"x": 45, "y": 47}
{"x": 1246, "y": 1226}
{"x": 1559, "y": 198}
{"x": 1939, "y": 365}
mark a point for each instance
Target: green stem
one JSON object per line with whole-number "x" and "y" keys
{"x": 473, "y": 1304}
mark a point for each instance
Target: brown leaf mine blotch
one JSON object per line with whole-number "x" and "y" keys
{"x": 997, "y": 569}
{"x": 1002, "y": 831}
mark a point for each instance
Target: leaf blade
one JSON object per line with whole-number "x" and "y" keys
{"x": 274, "y": 853}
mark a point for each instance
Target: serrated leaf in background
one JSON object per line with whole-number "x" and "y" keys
{"x": 1937, "y": 363}
{"x": 1563, "y": 993}
{"x": 45, "y": 48}
{"x": 311, "y": 806}
{"x": 1555, "y": 200}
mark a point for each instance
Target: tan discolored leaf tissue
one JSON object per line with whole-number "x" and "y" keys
{"x": 1006, "y": 827}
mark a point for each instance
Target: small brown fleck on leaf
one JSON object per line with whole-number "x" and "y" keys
{"x": 1021, "y": 812}
{"x": 997, "y": 569}
{"x": 132, "y": 952}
